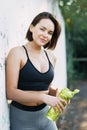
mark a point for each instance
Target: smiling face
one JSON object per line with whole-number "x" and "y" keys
{"x": 42, "y": 32}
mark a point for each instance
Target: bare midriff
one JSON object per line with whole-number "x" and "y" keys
{"x": 33, "y": 103}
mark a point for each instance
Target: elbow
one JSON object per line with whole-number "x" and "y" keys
{"x": 9, "y": 95}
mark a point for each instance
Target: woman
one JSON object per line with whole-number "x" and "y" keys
{"x": 29, "y": 75}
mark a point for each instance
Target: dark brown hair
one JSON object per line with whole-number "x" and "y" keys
{"x": 57, "y": 30}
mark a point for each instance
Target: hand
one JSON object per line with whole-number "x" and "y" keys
{"x": 55, "y": 102}
{"x": 53, "y": 92}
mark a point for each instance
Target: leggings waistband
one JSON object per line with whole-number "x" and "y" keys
{"x": 28, "y": 108}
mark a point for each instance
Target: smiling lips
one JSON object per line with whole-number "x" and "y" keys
{"x": 43, "y": 40}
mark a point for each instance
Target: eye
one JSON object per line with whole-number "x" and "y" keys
{"x": 42, "y": 29}
{"x": 50, "y": 33}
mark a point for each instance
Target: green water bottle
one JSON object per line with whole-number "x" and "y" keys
{"x": 65, "y": 94}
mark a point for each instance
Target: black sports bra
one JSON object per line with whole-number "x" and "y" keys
{"x": 31, "y": 79}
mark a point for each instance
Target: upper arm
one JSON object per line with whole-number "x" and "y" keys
{"x": 12, "y": 68}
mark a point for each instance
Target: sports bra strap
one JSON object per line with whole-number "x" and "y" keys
{"x": 47, "y": 55}
{"x": 28, "y": 56}
{"x": 25, "y": 51}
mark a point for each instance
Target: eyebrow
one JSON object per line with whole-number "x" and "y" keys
{"x": 46, "y": 28}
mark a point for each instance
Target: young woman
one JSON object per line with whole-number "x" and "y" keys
{"x": 29, "y": 75}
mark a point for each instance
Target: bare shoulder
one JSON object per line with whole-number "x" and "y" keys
{"x": 51, "y": 56}
{"x": 15, "y": 53}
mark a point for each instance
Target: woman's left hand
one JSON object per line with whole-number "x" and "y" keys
{"x": 53, "y": 91}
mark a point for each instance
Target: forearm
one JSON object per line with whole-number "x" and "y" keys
{"x": 36, "y": 97}
{"x": 26, "y": 96}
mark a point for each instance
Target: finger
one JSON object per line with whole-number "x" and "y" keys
{"x": 57, "y": 108}
{"x": 61, "y": 106}
{"x": 64, "y": 102}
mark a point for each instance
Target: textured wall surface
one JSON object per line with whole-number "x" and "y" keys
{"x": 4, "y": 112}
{"x": 15, "y": 17}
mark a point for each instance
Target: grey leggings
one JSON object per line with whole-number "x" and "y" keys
{"x": 27, "y": 120}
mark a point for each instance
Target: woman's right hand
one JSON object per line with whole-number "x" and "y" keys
{"x": 55, "y": 102}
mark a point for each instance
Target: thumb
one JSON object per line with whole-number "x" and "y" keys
{"x": 56, "y": 91}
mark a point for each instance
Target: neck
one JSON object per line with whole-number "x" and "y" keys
{"x": 33, "y": 47}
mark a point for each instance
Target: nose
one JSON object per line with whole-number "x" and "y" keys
{"x": 45, "y": 34}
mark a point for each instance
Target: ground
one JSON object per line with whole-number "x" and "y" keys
{"x": 75, "y": 115}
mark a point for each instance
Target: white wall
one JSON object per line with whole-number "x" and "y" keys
{"x": 60, "y": 52}
{"x": 15, "y": 17}
{"x": 4, "y": 112}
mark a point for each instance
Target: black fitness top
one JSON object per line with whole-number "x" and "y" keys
{"x": 31, "y": 79}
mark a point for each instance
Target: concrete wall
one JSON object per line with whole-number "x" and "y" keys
{"x": 15, "y": 17}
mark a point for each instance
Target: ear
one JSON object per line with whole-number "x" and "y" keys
{"x": 31, "y": 27}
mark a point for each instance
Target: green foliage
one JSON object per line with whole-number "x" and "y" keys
{"x": 75, "y": 16}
